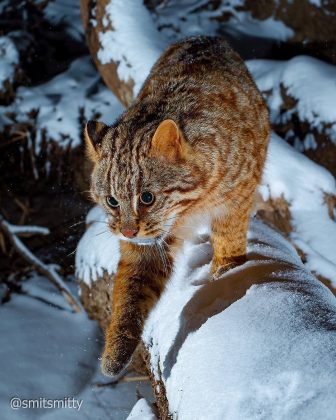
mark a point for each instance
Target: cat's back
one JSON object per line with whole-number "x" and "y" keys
{"x": 203, "y": 85}
{"x": 200, "y": 51}
{"x": 204, "y": 62}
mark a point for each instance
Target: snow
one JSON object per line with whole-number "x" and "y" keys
{"x": 3, "y": 5}
{"x": 66, "y": 12}
{"x": 17, "y": 230}
{"x": 261, "y": 338}
{"x": 98, "y": 250}
{"x": 9, "y": 59}
{"x": 177, "y": 20}
{"x": 59, "y": 102}
{"x": 126, "y": 42}
{"x": 52, "y": 353}
{"x": 311, "y": 82}
{"x": 303, "y": 184}
{"x": 142, "y": 411}
{"x": 244, "y": 23}
{"x": 316, "y": 3}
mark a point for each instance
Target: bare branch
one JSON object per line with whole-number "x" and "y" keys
{"x": 123, "y": 379}
{"x": 48, "y": 270}
{"x": 28, "y": 230}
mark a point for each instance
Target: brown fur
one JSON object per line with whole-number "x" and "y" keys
{"x": 196, "y": 137}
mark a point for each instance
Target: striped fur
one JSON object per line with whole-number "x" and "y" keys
{"x": 209, "y": 167}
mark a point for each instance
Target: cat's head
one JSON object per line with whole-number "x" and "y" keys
{"x": 145, "y": 182}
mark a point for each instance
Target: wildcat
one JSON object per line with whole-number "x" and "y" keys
{"x": 192, "y": 144}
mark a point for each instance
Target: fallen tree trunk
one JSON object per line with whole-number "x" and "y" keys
{"x": 297, "y": 208}
{"x": 247, "y": 343}
{"x": 213, "y": 349}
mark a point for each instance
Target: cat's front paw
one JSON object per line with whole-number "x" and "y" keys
{"x": 117, "y": 356}
{"x": 219, "y": 271}
{"x": 110, "y": 367}
{"x": 223, "y": 269}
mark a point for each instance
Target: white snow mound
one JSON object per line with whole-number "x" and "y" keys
{"x": 259, "y": 343}
{"x": 142, "y": 411}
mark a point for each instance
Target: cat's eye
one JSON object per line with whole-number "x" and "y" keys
{"x": 112, "y": 202}
{"x": 147, "y": 198}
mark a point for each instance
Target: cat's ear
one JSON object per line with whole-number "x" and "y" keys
{"x": 167, "y": 141}
{"x": 94, "y": 133}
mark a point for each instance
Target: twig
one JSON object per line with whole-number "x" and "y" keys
{"x": 2, "y": 243}
{"x": 123, "y": 379}
{"x": 134, "y": 378}
{"x": 28, "y": 230}
{"x": 48, "y": 270}
{"x": 31, "y": 151}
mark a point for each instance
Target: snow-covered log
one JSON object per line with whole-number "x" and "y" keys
{"x": 123, "y": 42}
{"x": 258, "y": 343}
{"x": 290, "y": 178}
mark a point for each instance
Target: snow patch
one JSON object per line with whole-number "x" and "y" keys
{"x": 98, "y": 250}
{"x": 66, "y": 12}
{"x": 50, "y": 352}
{"x": 177, "y": 20}
{"x": 9, "y": 59}
{"x": 271, "y": 28}
{"x": 142, "y": 411}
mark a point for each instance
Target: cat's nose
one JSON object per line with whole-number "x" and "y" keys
{"x": 129, "y": 233}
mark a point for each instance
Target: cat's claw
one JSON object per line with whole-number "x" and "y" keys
{"x": 117, "y": 356}
{"x": 112, "y": 367}
{"x": 223, "y": 269}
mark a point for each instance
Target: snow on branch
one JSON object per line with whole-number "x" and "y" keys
{"x": 48, "y": 270}
{"x": 28, "y": 230}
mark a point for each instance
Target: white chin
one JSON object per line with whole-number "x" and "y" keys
{"x": 140, "y": 241}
